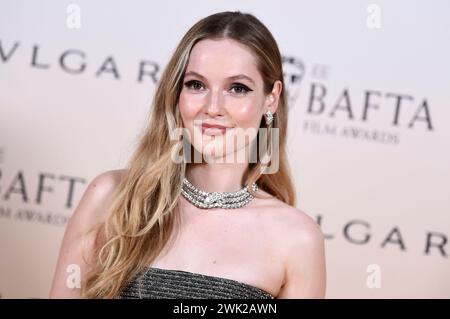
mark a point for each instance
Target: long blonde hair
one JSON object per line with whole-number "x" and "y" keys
{"x": 142, "y": 215}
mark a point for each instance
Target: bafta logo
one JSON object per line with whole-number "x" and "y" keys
{"x": 293, "y": 72}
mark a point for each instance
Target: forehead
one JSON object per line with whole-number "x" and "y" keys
{"x": 222, "y": 58}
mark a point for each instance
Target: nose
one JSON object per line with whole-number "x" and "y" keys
{"x": 215, "y": 102}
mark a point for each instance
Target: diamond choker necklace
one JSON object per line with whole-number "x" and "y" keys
{"x": 227, "y": 200}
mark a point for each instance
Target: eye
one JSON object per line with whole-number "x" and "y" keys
{"x": 193, "y": 84}
{"x": 241, "y": 89}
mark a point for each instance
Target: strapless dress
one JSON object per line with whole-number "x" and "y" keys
{"x": 158, "y": 283}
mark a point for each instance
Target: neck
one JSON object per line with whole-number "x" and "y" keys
{"x": 220, "y": 177}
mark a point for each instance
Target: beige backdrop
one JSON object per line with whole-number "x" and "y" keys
{"x": 368, "y": 139}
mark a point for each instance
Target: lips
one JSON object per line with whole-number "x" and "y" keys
{"x": 213, "y": 126}
{"x": 213, "y": 129}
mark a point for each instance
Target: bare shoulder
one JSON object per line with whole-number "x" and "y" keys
{"x": 300, "y": 244}
{"x": 290, "y": 222}
{"x": 106, "y": 182}
{"x": 79, "y": 242}
{"x": 97, "y": 196}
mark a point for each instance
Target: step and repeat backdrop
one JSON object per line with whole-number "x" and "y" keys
{"x": 369, "y": 133}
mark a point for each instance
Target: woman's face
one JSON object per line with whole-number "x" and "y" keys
{"x": 222, "y": 86}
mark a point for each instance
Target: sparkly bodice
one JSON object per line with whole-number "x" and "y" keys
{"x": 158, "y": 283}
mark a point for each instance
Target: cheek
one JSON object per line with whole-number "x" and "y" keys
{"x": 189, "y": 106}
{"x": 247, "y": 114}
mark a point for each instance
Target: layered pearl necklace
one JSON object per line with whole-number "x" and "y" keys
{"x": 226, "y": 200}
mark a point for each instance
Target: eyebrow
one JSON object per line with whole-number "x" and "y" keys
{"x": 234, "y": 77}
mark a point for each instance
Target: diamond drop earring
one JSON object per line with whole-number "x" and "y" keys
{"x": 269, "y": 118}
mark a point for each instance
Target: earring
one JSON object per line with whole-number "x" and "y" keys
{"x": 269, "y": 117}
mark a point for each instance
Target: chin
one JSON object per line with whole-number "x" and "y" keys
{"x": 211, "y": 151}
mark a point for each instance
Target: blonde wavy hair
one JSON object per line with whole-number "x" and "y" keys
{"x": 142, "y": 214}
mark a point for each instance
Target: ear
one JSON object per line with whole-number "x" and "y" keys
{"x": 273, "y": 98}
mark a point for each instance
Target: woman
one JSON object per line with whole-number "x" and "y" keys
{"x": 148, "y": 231}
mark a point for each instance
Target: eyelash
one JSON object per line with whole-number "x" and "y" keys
{"x": 235, "y": 85}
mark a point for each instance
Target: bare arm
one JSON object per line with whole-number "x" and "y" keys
{"x": 305, "y": 262}
{"x": 90, "y": 211}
